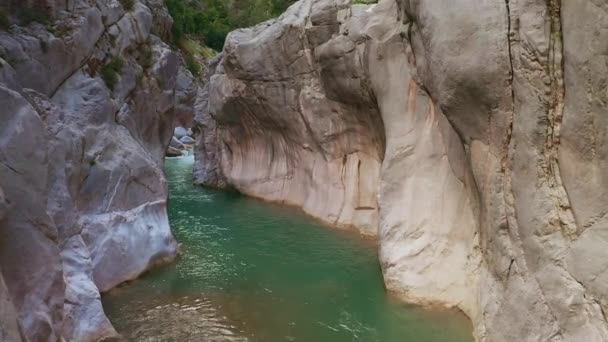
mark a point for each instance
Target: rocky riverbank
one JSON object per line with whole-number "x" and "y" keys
{"x": 181, "y": 142}
{"x": 88, "y": 91}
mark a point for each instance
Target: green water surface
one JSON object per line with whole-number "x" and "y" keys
{"x": 253, "y": 271}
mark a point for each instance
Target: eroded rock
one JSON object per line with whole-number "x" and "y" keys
{"x": 81, "y": 157}
{"x": 173, "y": 152}
{"x": 207, "y": 169}
{"x": 9, "y": 326}
{"x": 180, "y": 132}
{"x": 186, "y": 140}
{"x": 176, "y": 144}
{"x": 465, "y": 134}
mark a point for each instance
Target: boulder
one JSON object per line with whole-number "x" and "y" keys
{"x": 187, "y": 140}
{"x": 180, "y": 132}
{"x": 173, "y": 152}
{"x": 176, "y": 144}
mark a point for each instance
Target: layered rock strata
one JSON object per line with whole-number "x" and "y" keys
{"x": 87, "y": 95}
{"x": 466, "y": 135}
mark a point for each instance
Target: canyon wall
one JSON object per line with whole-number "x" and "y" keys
{"x": 467, "y": 135}
{"x": 87, "y": 91}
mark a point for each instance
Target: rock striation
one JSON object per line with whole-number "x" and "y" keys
{"x": 88, "y": 95}
{"x": 468, "y": 136}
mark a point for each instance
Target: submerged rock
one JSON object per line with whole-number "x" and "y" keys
{"x": 466, "y": 140}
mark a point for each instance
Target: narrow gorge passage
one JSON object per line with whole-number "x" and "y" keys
{"x": 253, "y": 271}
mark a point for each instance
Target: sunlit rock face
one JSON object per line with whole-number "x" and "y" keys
{"x": 81, "y": 155}
{"x": 468, "y": 136}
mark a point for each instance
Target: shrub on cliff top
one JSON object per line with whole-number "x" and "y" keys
{"x": 28, "y": 15}
{"x": 128, "y": 5}
{"x": 111, "y": 71}
{"x": 212, "y": 20}
{"x": 192, "y": 65}
{"x": 146, "y": 56}
{"x": 199, "y": 24}
{"x": 4, "y": 22}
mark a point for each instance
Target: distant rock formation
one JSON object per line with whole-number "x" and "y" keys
{"x": 468, "y": 135}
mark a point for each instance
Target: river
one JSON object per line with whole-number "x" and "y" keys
{"x": 253, "y": 271}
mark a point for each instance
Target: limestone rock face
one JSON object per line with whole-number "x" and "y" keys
{"x": 34, "y": 279}
{"x": 186, "y": 91}
{"x": 467, "y": 135}
{"x": 87, "y": 113}
{"x": 285, "y": 139}
{"x": 207, "y": 170}
{"x": 9, "y": 327}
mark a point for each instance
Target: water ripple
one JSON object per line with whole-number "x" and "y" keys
{"x": 252, "y": 271}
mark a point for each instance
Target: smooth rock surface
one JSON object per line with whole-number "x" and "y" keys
{"x": 466, "y": 135}
{"x": 176, "y": 144}
{"x": 180, "y": 132}
{"x": 282, "y": 136}
{"x": 186, "y": 140}
{"x": 173, "y": 152}
{"x": 81, "y": 157}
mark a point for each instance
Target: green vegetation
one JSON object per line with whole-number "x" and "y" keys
{"x": 201, "y": 26}
{"x": 195, "y": 54}
{"x": 28, "y": 15}
{"x": 10, "y": 60}
{"x": 128, "y": 5}
{"x": 146, "y": 57}
{"x": 211, "y": 20}
{"x": 192, "y": 65}
{"x": 193, "y": 47}
{"x": 4, "y": 22}
{"x": 111, "y": 71}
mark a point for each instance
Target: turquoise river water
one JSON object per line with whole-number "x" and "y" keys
{"x": 253, "y": 271}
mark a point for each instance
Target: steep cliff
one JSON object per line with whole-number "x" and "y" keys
{"x": 87, "y": 95}
{"x": 467, "y": 135}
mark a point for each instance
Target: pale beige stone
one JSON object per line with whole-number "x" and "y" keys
{"x": 482, "y": 124}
